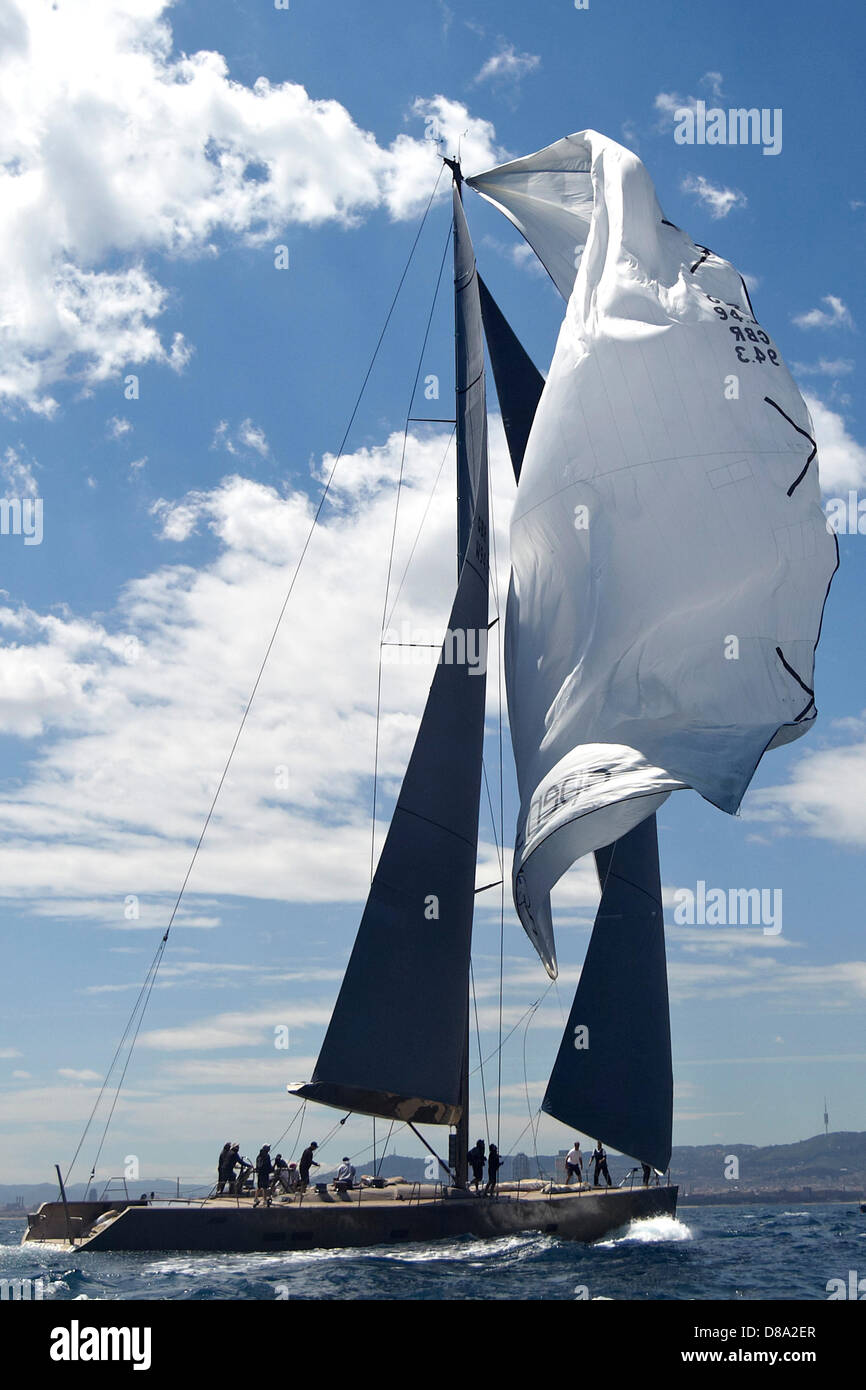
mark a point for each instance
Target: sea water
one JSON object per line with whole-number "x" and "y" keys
{"x": 736, "y": 1253}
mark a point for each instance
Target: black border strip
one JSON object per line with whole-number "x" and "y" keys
{"x": 808, "y": 689}
{"x": 798, "y": 480}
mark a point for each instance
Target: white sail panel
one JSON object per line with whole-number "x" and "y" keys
{"x": 549, "y": 198}
{"x": 670, "y": 558}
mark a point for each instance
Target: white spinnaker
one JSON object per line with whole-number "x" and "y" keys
{"x": 670, "y": 558}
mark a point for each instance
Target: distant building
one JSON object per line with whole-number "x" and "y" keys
{"x": 520, "y": 1167}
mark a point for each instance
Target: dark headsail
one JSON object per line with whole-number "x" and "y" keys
{"x": 519, "y": 383}
{"x": 612, "y": 1078}
{"x": 396, "y": 1044}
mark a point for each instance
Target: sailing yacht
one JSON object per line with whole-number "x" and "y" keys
{"x": 667, "y": 514}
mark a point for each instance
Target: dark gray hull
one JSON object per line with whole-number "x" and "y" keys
{"x": 329, "y": 1224}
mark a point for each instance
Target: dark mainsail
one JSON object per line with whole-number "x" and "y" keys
{"x": 519, "y": 383}
{"x": 396, "y": 1044}
{"x": 614, "y": 1080}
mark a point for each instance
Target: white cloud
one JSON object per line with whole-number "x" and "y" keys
{"x": 7, "y": 1053}
{"x": 131, "y": 715}
{"x": 70, "y": 1074}
{"x": 668, "y": 103}
{"x": 825, "y": 797}
{"x": 16, "y": 475}
{"x": 118, "y": 426}
{"x": 247, "y": 436}
{"x": 835, "y": 986}
{"x": 713, "y": 80}
{"x": 114, "y": 148}
{"x": 508, "y": 65}
{"x": 720, "y": 201}
{"x": 840, "y": 366}
{"x": 836, "y": 315}
{"x": 841, "y": 459}
{"x": 235, "y": 1030}
{"x": 519, "y": 253}
{"x": 253, "y": 436}
{"x": 179, "y": 520}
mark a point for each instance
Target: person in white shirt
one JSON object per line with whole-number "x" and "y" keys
{"x": 345, "y": 1178}
{"x": 574, "y": 1164}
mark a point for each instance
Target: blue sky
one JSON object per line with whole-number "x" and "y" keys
{"x": 153, "y": 158}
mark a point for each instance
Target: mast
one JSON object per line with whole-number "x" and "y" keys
{"x": 461, "y": 1134}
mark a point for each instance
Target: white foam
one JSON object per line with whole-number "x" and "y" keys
{"x": 652, "y": 1230}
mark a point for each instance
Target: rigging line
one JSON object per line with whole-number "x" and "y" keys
{"x": 147, "y": 988}
{"x": 517, "y": 1024}
{"x": 384, "y": 1153}
{"x": 559, "y": 1003}
{"x": 492, "y": 819}
{"x": 391, "y": 553}
{"x": 331, "y": 1132}
{"x": 526, "y": 1091}
{"x": 499, "y": 656}
{"x": 288, "y": 1128}
{"x": 420, "y": 529}
{"x": 113, "y": 1063}
{"x": 480, "y": 1062}
{"x": 359, "y": 1153}
{"x": 303, "y": 1111}
{"x": 518, "y": 1139}
{"x": 134, "y": 1040}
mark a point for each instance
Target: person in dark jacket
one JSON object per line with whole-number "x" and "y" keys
{"x": 307, "y": 1162}
{"x": 476, "y": 1162}
{"x": 264, "y": 1169}
{"x": 244, "y": 1168}
{"x": 494, "y": 1163}
{"x": 599, "y": 1159}
{"x": 225, "y": 1167}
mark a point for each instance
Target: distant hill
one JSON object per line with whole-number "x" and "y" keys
{"x": 831, "y": 1161}
{"x": 825, "y": 1160}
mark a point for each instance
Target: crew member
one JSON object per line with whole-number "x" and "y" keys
{"x": 264, "y": 1169}
{"x": 476, "y": 1162}
{"x": 281, "y": 1168}
{"x": 494, "y": 1163}
{"x": 599, "y": 1158}
{"x": 307, "y": 1162}
{"x": 574, "y": 1164}
{"x": 345, "y": 1179}
{"x": 224, "y": 1167}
